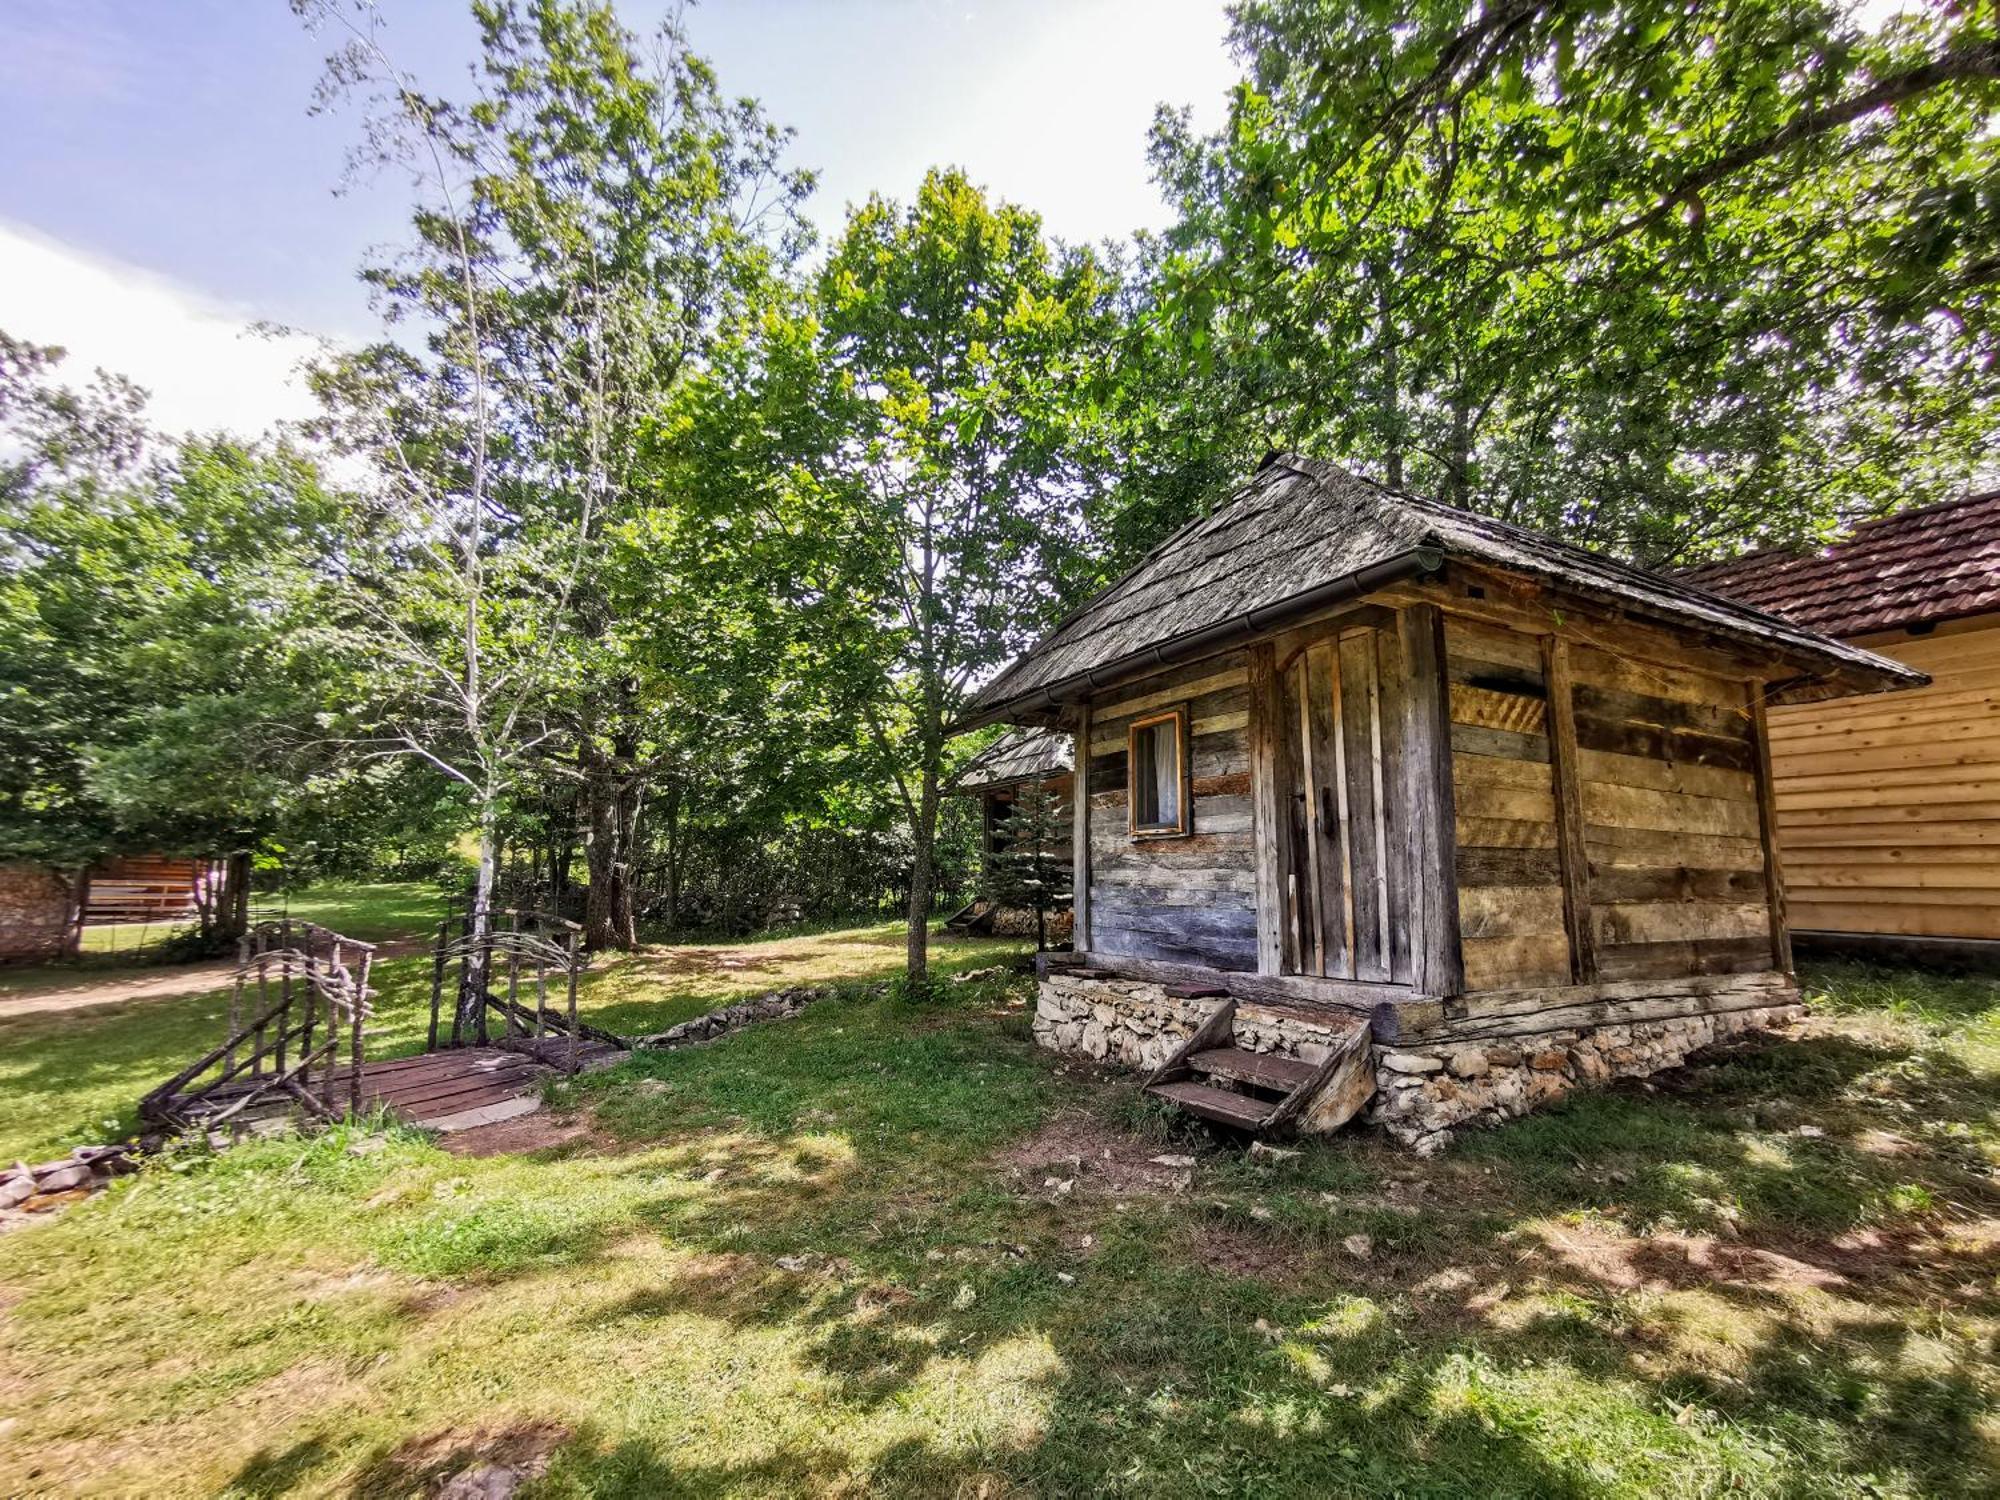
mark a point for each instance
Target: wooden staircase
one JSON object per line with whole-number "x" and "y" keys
{"x": 1264, "y": 1093}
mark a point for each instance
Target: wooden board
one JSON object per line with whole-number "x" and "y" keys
{"x": 1507, "y": 864}
{"x": 1888, "y": 806}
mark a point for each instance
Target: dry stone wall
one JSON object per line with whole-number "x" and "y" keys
{"x": 1423, "y": 1093}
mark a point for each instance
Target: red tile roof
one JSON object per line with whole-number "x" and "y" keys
{"x": 1937, "y": 563}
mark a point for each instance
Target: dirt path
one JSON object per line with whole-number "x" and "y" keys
{"x": 82, "y": 989}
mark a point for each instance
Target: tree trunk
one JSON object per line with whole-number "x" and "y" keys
{"x": 918, "y": 969}
{"x": 625, "y": 895}
{"x": 600, "y": 798}
{"x": 472, "y": 994}
{"x": 1459, "y": 482}
{"x": 79, "y": 908}
{"x": 671, "y": 815}
{"x": 229, "y": 918}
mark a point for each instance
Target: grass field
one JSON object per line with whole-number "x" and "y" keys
{"x": 894, "y": 1249}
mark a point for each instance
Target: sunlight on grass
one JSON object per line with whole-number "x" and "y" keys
{"x": 823, "y": 1256}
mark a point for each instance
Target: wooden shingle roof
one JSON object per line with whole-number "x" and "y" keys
{"x": 1938, "y": 563}
{"x": 1302, "y": 534}
{"x": 1018, "y": 755}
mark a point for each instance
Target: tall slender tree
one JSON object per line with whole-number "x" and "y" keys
{"x": 588, "y": 226}
{"x": 959, "y": 344}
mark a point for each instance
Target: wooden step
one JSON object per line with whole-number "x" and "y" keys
{"x": 1264, "y": 1070}
{"x": 1216, "y": 1104}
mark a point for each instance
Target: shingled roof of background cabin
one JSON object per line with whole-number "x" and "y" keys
{"x": 1938, "y": 563}
{"x": 1018, "y": 755}
{"x": 1301, "y": 524}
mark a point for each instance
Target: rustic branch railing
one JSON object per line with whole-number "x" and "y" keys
{"x": 300, "y": 998}
{"x": 518, "y": 948}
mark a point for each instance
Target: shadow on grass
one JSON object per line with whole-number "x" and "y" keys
{"x": 832, "y": 1177}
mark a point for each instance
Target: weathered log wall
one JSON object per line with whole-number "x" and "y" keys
{"x": 34, "y": 911}
{"x": 1667, "y": 766}
{"x": 1510, "y": 893}
{"x": 1189, "y": 898}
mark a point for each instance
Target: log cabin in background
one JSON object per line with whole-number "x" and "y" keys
{"x": 44, "y": 910}
{"x": 1889, "y": 808}
{"x": 1395, "y": 807}
{"x": 1020, "y": 758}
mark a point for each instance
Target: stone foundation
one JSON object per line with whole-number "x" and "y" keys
{"x": 1423, "y": 1091}
{"x": 1137, "y": 1024}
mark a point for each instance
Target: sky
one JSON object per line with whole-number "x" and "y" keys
{"x": 165, "y": 189}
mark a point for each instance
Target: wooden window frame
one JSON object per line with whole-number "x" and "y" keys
{"x": 1177, "y": 715}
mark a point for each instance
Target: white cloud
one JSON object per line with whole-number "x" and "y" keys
{"x": 203, "y": 365}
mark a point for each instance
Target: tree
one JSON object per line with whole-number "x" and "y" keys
{"x": 1664, "y": 277}
{"x": 159, "y": 599}
{"x": 589, "y": 226}
{"x": 958, "y": 344}
{"x": 1030, "y": 869}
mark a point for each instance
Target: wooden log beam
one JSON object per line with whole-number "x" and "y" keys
{"x": 1436, "y": 960}
{"x": 1079, "y": 823}
{"x": 1299, "y": 990}
{"x": 1767, "y": 824}
{"x": 1574, "y": 858}
{"x": 1270, "y": 854}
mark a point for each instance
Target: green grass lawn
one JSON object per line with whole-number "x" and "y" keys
{"x": 895, "y": 1249}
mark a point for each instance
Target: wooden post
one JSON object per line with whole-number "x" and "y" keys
{"x": 1437, "y": 960}
{"x": 354, "y": 1042}
{"x": 514, "y": 982}
{"x": 1267, "y": 811}
{"x": 1767, "y": 825}
{"x": 285, "y": 1000}
{"x": 1079, "y": 834}
{"x": 1572, "y": 854}
{"x": 263, "y": 1011}
{"x": 437, "y": 983}
{"x": 573, "y": 1028}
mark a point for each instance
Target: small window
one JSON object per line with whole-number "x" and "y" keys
{"x": 1158, "y": 773}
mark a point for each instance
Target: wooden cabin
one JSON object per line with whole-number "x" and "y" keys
{"x": 1889, "y": 808}
{"x": 1395, "y": 807}
{"x": 1020, "y": 758}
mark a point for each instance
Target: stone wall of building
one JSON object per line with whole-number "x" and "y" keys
{"x": 1423, "y": 1093}
{"x": 1139, "y": 1025}
{"x": 34, "y": 908}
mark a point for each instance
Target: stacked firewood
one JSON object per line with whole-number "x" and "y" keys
{"x": 54, "y": 1183}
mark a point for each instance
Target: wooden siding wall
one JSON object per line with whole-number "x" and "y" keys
{"x": 1889, "y": 806}
{"x": 144, "y": 888}
{"x": 1185, "y": 899}
{"x": 1667, "y": 766}
{"x": 1510, "y": 894}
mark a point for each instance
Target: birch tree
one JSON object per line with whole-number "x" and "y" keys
{"x": 585, "y": 226}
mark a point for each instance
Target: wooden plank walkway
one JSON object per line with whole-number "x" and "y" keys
{"x": 450, "y": 1090}
{"x": 468, "y": 1085}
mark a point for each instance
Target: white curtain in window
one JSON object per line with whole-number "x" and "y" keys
{"x": 1166, "y": 775}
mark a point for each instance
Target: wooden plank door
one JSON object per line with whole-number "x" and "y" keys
{"x": 1347, "y": 892}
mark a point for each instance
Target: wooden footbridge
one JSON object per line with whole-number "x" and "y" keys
{"x": 298, "y": 1026}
